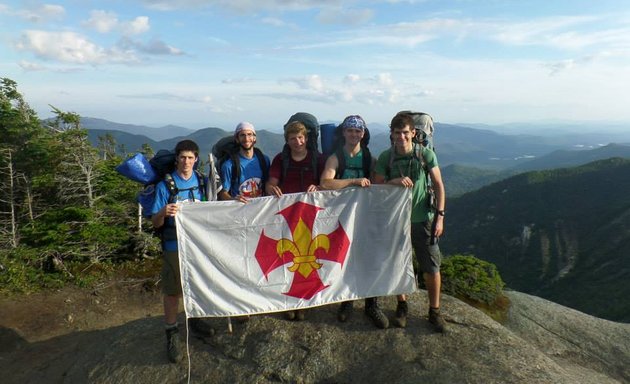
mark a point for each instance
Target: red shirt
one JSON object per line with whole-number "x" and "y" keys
{"x": 299, "y": 174}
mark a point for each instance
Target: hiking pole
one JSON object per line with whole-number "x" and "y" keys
{"x": 229, "y": 321}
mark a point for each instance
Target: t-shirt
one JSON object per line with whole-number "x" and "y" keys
{"x": 250, "y": 182}
{"x": 409, "y": 165}
{"x": 188, "y": 191}
{"x": 354, "y": 166}
{"x": 299, "y": 174}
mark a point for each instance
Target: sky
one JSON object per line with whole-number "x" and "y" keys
{"x": 198, "y": 63}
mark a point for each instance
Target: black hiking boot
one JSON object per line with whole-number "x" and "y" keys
{"x": 435, "y": 318}
{"x": 173, "y": 346}
{"x": 345, "y": 309}
{"x": 290, "y": 315}
{"x": 374, "y": 312}
{"x": 200, "y": 328}
{"x": 402, "y": 310}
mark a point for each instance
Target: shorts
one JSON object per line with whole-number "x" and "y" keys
{"x": 171, "y": 278}
{"x": 428, "y": 255}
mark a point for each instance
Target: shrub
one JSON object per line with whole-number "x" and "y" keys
{"x": 470, "y": 278}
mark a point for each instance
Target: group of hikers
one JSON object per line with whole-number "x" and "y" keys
{"x": 300, "y": 167}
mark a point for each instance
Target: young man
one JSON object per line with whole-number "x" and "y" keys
{"x": 357, "y": 165}
{"x": 294, "y": 170}
{"x": 164, "y": 209}
{"x": 252, "y": 169}
{"x": 406, "y": 164}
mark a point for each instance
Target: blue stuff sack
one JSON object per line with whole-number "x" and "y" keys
{"x": 137, "y": 168}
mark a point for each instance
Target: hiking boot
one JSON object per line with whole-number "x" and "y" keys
{"x": 378, "y": 317}
{"x": 345, "y": 309}
{"x": 300, "y": 314}
{"x": 290, "y": 315}
{"x": 173, "y": 348}
{"x": 437, "y": 320}
{"x": 402, "y": 310}
{"x": 200, "y": 328}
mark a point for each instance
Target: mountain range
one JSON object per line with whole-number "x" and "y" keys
{"x": 561, "y": 234}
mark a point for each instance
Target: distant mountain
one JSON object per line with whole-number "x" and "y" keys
{"x": 157, "y": 134}
{"x": 566, "y": 158}
{"x": 459, "y": 179}
{"x": 561, "y": 234}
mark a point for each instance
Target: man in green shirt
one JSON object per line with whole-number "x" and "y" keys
{"x": 411, "y": 165}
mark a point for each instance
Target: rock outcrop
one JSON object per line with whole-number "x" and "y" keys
{"x": 541, "y": 342}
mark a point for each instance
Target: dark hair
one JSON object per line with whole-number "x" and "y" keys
{"x": 400, "y": 121}
{"x": 187, "y": 145}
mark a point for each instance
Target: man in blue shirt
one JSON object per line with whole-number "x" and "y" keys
{"x": 187, "y": 188}
{"x": 253, "y": 167}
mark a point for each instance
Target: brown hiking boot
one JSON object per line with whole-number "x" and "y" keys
{"x": 173, "y": 347}
{"x": 290, "y": 315}
{"x": 402, "y": 310}
{"x": 345, "y": 309}
{"x": 300, "y": 314}
{"x": 437, "y": 320}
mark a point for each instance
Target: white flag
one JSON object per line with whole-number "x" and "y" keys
{"x": 297, "y": 251}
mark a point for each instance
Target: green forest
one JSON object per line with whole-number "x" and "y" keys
{"x": 66, "y": 215}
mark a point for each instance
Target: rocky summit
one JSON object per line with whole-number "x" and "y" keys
{"x": 540, "y": 342}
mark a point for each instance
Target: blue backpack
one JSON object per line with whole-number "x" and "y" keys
{"x": 149, "y": 173}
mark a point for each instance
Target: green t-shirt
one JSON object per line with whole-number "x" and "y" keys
{"x": 411, "y": 166}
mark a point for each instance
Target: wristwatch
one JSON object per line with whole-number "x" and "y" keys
{"x": 441, "y": 212}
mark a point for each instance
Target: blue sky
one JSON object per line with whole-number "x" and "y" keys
{"x": 214, "y": 63}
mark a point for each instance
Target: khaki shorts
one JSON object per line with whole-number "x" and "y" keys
{"x": 171, "y": 278}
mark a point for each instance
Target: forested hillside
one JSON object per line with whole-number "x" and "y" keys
{"x": 562, "y": 234}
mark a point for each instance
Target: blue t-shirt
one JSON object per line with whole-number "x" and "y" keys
{"x": 188, "y": 191}
{"x": 250, "y": 182}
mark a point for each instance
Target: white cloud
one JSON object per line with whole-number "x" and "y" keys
{"x": 137, "y": 26}
{"x": 102, "y": 21}
{"x": 242, "y": 6}
{"x": 28, "y": 66}
{"x": 42, "y": 13}
{"x": 105, "y": 22}
{"x": 70, "y": 47}
{"x": 153, "y": 47}
{"x": 345, "y": 16}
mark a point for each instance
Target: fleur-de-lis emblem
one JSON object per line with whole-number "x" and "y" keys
{"x": 303, "y": 251}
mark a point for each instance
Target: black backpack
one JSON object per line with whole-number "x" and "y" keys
{"x": 337, "y": 149}
{"x": 227, "y": 148}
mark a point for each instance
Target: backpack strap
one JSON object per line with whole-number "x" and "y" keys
{"x": 367, "y": 162}
{"x": 171, "y": 187}
{"x": 341, "y": 162}
{"x": 263, "y": 166}
{"x": 202, "y": 184}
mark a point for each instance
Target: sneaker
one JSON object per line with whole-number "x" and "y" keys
{"x": 300, "y": 314}
{"x": 345, "y": 309}
{"x": 437, "y": 320}
{"x": 173, "y": 348}
{"x": 402, "y": 310}
{"x": 378, "y": 317}
{"x": 200, "y": 328}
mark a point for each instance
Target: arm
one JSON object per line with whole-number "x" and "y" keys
{"x": 440, "y": 197}
{"x": 328, "y": 180}
{"x": 169, "y": 210}
{"x": 402, "y": 181}
{"x": 272, "y": 188}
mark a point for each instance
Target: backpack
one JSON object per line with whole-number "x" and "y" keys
{"x": 338, "y": 143}
{"x": 423, "y": 123}
{"x": 227, "y": 148}
{"x": 312, "y": 132}
{"x": 151, "y": 172}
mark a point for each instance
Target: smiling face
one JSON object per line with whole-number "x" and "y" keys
{"x": 297, "y": 143}
{"x": 403, "y": 138}
{"x": 353, "y": 136}
{"x": 246, "y": 139}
